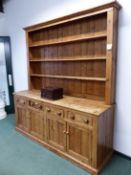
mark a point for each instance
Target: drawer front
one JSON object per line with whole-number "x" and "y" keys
{"x": 79, "y": 118}
{"x": 36, "y": 105}
{"x": 20, "y": 101}
{"x": 54, "y": 111}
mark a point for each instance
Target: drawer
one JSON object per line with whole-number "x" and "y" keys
{"x": 36, "y": 105}
{"x": 77, "y": 117}
{"x": 20, "y": 101}
{"x": 54, "y": 111}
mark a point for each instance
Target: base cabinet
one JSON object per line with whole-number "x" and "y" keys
{"x": 79, "y": 136}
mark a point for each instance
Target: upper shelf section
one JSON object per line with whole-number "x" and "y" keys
{"x": 71, "y": 52}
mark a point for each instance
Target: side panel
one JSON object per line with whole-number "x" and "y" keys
{"x": 105, "y": 136}
{"x": 112, "y": 25}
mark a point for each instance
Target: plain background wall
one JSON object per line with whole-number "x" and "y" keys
{"x": 24, "y": 13}
{"x": 3, "y": 29}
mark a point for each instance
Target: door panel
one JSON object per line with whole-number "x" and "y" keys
{"x": 21, "y": 118}
{"x": 36, "y": 123}
{"x": 55, "y": 127}
{"x": 4, "y": 90}
{"x": 55, "y": 133}
{"x": 79, "y": 142}
{"x": 6, "y": 79}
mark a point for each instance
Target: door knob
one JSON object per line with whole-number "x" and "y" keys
{"x": 72, "y": 117}
{"x": 48, "y": 110}
{"x": 67, "y": 133}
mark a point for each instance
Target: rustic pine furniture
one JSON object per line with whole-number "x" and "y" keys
{"x": 78, "y": 53}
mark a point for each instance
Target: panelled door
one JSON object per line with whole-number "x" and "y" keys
{"x": 36, "y": 123}
{"x": 56, "y": 127}
{"x": 21, "y": 113}
{"x": 6, "y": 79}
{"x": 79, "y": 143}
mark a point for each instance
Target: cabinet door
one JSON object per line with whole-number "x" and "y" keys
{"x": 21, "y": 118}
{"x": 21, "y": 113}
{"x": 56, "y": 128}
{"x": 36, "y": 123}
{"x": 79, "y": 143}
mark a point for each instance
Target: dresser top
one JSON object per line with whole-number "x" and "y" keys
{"x": 83, "y": 105}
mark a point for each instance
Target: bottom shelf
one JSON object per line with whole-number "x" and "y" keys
{"x": 70, "y": 77}
{"x": 77, "y": 88}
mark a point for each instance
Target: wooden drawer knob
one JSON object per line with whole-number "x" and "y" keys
{"x": 40, "y": 107}
{"x": 59, "y": 113}
{"x": 72, "y": 117}
{"x": 86, "y": 121}
{"x": 67, "y": 133}
{"x": 33, "y": 104}
{"x": 48, "y": 110}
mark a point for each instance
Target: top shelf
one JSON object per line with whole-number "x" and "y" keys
{"x": 76, "y": 16}
{"x": 70, "y": 39}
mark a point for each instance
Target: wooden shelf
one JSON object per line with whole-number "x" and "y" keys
{"x": 70, "y": 59}
{"x": 70, "y": 77}
{"x": 70, "y": 39}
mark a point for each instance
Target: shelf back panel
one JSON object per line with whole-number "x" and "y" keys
{"x": 82, "y": 69}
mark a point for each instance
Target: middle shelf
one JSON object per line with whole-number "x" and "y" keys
{"x": 91, "y": 58}
{"x": 70, "y": 77}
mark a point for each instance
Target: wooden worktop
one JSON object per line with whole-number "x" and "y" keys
{"x": 84, "y": 105}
